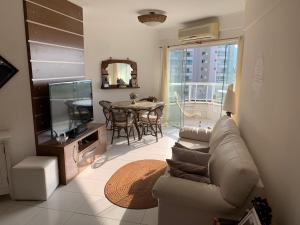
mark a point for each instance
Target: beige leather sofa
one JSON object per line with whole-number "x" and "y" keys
{"x": 234, "y": 179}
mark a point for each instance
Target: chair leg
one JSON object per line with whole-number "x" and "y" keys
{"x": 112, "y": 137}
{"x": 156, "y": 133}
{"x": 160, "y": 129}
{"x": 133, "y": 132}
{"x": 127, "y": 134}
{"x": 118, "y": 132}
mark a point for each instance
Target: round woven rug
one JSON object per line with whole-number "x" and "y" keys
{"x": 131, "y": 186}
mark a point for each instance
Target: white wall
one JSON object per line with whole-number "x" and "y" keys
{"x": 269, "y": 118}
{"x": 104, "y": 38}
{"x": 15, "y": 100}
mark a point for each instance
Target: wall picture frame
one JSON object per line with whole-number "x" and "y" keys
{"x": 7, "y": 71}
{"x": 251, "y": 218}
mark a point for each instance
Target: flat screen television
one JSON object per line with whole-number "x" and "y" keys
{"x": 71, "y": 105}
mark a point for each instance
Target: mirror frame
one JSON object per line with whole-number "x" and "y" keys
{"x": 104, "y": 72}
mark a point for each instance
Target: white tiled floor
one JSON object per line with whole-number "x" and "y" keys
{"x": 82, "y": 201}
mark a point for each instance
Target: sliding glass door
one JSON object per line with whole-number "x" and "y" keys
{"x": 198, "y": 81}
{"x": 177, "y": 66}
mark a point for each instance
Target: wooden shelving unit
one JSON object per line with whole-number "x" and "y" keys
{"x": 76, "y": 153}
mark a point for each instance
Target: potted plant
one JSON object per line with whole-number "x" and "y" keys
{"x": 133, "y": 97}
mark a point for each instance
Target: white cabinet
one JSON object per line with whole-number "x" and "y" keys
{"x": 4, "y": 163}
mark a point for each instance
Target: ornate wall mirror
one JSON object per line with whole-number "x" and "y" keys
{"x": 118, "y": 73}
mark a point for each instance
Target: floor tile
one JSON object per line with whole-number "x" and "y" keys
{"x": 118, "y": 213}
{"x": 112, "y": 164}
{"x": 50, "y": 217}
{"x": 78, "y": 219}
{"x": 97, "y": 174}
{"x": 106, "y": 221}
{"x": 93, "y": 205}
{"x": 61, "y": 200}
{"x": 18, "y": 215}
{"x": 86, "y": 186}
{"x": 151, "y": 217}
{"x": 5, "y": 203}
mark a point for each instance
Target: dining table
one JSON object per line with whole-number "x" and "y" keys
{"x": 137, "y": 107}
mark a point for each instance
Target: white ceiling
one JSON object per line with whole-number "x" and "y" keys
{"x": 178, "y": 11}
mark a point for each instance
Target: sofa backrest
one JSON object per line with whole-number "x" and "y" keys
{"x": 225, "y": 126}
{"x": 232, "y": 168}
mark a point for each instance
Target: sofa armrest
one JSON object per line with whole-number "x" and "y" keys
{"x": 205, "y": 197}
{"x": 198, "y": 134}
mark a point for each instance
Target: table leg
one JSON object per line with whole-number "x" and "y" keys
{"x": 136, "y": 124}
{"x": 138, "y": 131}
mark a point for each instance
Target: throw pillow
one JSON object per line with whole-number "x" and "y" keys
{"x": 189, "y": 176}
{"x": 188, "y": 167}
{"x": 204, "y": 150}
{"x": 189, "y": 156}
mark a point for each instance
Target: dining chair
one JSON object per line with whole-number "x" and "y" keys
{"x": 106, "y": 106}
{"x": 152, "y": 119}
{"x": 147, "y": 99}
{"x": 123, "y": 119}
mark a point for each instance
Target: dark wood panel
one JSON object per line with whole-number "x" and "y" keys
{"x": 44, "y": 16}
{"x": 62, "y": 6}
{"x": 42, "y": 122}
{"x": 40, "y": 90}
{"x": 67, "y": 17}
{"x": 53, "y": 53}
{"x": 52, "y": 36}
{"x": 56, "y": 70}
{"x": 41, "y": 105}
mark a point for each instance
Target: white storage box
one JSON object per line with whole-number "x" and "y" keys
{"x": 35, "y": 178}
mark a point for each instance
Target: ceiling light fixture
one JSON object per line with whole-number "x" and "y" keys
{"x": 152, "y": 18}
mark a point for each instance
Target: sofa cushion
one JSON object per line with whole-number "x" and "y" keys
{"x": 202, "y": 148}
{"x": 195, "y": 157}
{"x": 195, "y": 133}
{"x": 193, "y": 144}
{"x": 224, "y": 126}
{"x": 231, "y": 167}
{"x": 188, "y": 167}
{"x": 189, "y": 176}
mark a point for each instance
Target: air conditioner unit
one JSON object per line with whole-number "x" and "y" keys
{"x": 208, "y": 31}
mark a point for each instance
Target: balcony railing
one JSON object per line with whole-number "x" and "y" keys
{"x": 197, "y": 92}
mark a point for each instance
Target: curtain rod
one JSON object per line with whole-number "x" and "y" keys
{"x": 203, "y": 42}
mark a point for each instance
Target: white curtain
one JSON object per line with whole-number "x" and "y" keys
{"x": 164, "y": 88}
{"x": 238, "y": 77}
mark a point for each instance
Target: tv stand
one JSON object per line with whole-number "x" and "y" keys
{"x": 76, "y": 131}
{"x": 76, "y": 153}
